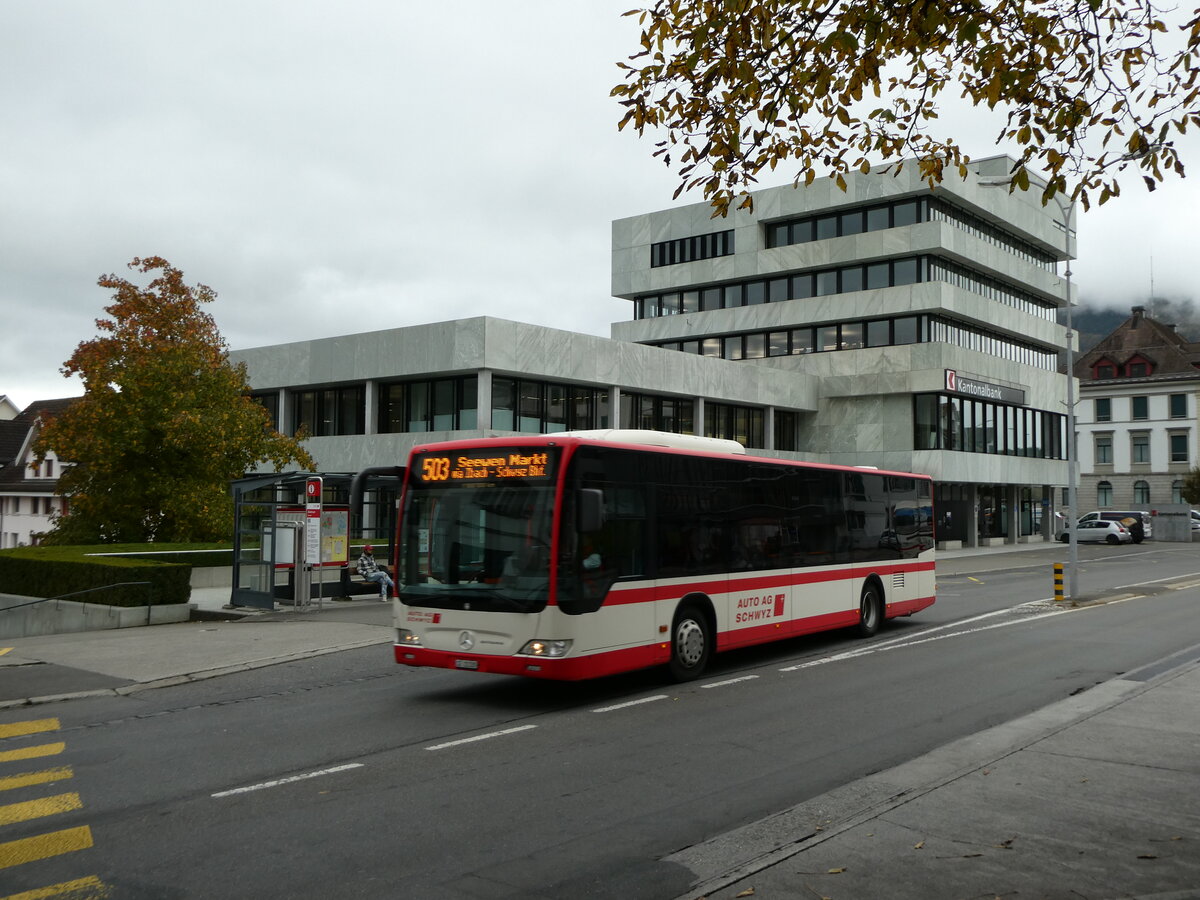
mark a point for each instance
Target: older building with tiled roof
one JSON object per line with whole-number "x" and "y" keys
{"x": 27, "y": 498}
{"x": 1137, "y": 415}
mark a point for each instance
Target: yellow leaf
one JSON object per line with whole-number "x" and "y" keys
{"x": 919, "y": 845}
{"x": 837, "y": 871}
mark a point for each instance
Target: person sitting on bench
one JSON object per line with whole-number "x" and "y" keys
{"x": 374, "y": 572}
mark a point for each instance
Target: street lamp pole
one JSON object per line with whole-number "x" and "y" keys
{"x": 1068, "y": 212}
{"x": 1072, "y": 455}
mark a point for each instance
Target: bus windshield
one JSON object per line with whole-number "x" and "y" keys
{"x": 482, "y": 543}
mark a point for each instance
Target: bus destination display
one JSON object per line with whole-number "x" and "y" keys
{"x": 496, "y": 465}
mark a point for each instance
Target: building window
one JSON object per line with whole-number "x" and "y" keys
{"x": 871, "y": 333}
{"x": 1140, "y": 408}
{"x": 330, "y": 411}
{"x": 744, "y": 424}
{"x": 1141, "y": 493}
{"x": 269, "y": 400}
{"x": 1138, "y": 369}
{"x": 787, "y": 430}
{"x": 689, "y": 249}
{"x": 1177, "y": 492}
{"x": 898, "y": 214}
{"x": 943, "y": 422}
{"x": 442, "y": 404}
{"x": 1105, "y": 370}
{"x": 1179, "y": 448}
{"x": 1178, "y": 406}
{"x": 535, "y": 407}
{"x": 1103, "y": 409}
{"x": 1104, "y": 494}
{"x": 650, "y": 411}
{"x": 1104, "y": 448}
{"x": 1140, "y": 446}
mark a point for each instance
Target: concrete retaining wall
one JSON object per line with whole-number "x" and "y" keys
{"x": 24, "y": 617}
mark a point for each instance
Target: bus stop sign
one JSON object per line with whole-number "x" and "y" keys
{"x": 312, "y": 521}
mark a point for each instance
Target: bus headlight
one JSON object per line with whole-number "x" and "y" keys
{"x": 552, "y": 649}
{"x": 407, "y": 638}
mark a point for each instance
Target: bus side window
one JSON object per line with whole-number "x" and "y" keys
{"x": 622, "y": 540}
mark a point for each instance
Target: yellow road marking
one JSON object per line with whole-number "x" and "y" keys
{"x": 973, "y": 578}
{"x": 90, "y": 888}
{"x": 31, "y": 753}
{"x": 4, "y": 650}
{"x": 9, "y": 782}
{"x": 56, "y": 843}
{"x": 32, "y": 726}
{"x": 37, "y": 809}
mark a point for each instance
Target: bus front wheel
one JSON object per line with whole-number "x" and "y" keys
{"x": 870, "y": 611}
{"x": 691, "y": 643}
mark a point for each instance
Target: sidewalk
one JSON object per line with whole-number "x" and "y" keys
{"x": 49, "y": 668}
{"x": 1097, "y": 796}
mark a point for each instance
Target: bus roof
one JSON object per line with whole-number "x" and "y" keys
{"x": 657, "y": 439}
{"x": 633, "y": 438}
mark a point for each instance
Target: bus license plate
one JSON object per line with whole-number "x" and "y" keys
{"x": 466, "y": 664}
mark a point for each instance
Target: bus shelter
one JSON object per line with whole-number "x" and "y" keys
{"x": 270, "y": 562}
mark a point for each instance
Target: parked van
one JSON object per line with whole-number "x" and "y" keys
{"x": 1116, "y": 515}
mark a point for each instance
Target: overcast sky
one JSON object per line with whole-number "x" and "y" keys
{"x": 336, "y": 168}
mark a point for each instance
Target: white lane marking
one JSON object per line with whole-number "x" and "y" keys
{"x": 289, "y": 780}
{"x": 631, "y": 703}
{"x": 729, "y": 681}
{"x": 480, "y": 737}
{"x": 917, "y": 639}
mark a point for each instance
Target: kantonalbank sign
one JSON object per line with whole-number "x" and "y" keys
{"x": 982, "y": 390}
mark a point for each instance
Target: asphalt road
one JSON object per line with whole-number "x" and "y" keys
{"x": 347, "y": 776}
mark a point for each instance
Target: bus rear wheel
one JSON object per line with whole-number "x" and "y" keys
{"x": 870, "y": 611}
{"x": 691, "y": 643}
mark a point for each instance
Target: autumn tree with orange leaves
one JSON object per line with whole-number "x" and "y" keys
{"x": 165, "y": 423}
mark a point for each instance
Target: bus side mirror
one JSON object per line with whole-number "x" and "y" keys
{"x": 590, "y": 509}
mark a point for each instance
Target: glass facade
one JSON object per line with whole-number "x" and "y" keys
{"x": 841, "y": 280}
{"x": 440, "y": 404}
{"x": 946, "y": 422}
{"x": 744, "y": 424}
{"x": 329, "y": 411}
{"x": 897, "y": 214}
{"x": 701, "y": 246}
{"x": 545, "y": 407}
{"x": 860, "y": 333}
{"x": 671, "y": 414}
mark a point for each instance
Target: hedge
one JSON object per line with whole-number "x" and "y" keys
{"x": 50, "y": 571}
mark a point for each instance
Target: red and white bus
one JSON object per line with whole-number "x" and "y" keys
{"x": 578, "y": 555}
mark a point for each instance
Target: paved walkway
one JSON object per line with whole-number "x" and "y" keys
{"x": 1095, "y": 797}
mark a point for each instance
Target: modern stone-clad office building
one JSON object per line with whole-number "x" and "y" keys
{"x": 890, "y": 325}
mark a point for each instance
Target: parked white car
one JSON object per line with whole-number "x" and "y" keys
{"x": 1118, "y": 515}
{"x": 1098, "y": 531}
